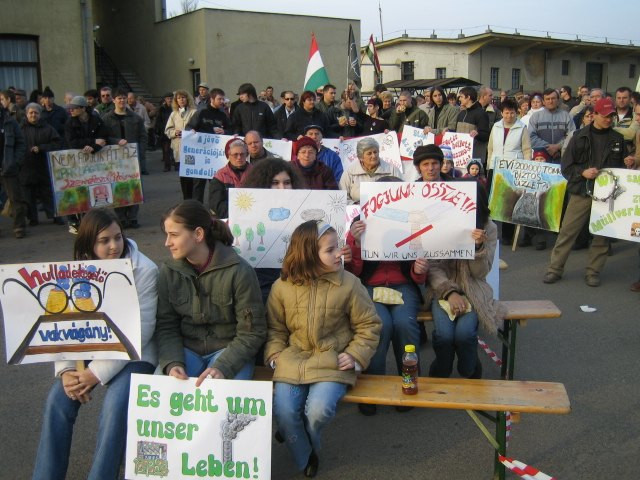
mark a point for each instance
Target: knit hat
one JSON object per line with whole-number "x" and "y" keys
{"x": 424, "y": 152}
{"x": 47, "y": 92}
{"x": 233, "y": 140}
{"x": 304, "y": 142}
{"x": 541, "y": 153}
{"x": 78, "y": 101}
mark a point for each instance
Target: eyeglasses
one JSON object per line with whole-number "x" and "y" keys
{"x": 288, "y": 99}
{"x": 105, "y": 95}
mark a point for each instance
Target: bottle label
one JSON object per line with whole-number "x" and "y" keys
{"x": 408, "y": 381}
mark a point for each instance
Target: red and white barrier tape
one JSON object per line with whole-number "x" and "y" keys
{"x": 508, "y": 428}
{"x": 492, "y": 355}
{"x": 523, "y": 470}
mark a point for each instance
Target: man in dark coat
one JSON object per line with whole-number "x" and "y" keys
{"x": 253, "y": 114}
{"x": 12, "y": 150}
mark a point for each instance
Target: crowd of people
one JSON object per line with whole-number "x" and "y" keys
{"x": 327, "y": 313}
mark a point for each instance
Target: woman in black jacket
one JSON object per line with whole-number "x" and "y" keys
{"x": 308, "y": 114}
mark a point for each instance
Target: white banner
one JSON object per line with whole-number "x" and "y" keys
{"x": 262, "y": 220}
{"x": 619, "y": 218}
{"x": 70, "y": 311}
{"x": 221, "y": 429}
{"x": 406, "y": 220}
{"x": 412, "y": 138}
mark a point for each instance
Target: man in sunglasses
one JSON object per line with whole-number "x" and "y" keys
{"x": 106, "y": 101}
{"x": 283, "y": 112}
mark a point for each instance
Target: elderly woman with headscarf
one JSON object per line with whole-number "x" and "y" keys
{"x": 183, "y": 110}
{"x": 229, "y": 176}
{"x": 40, "y": 138}
{"x": 368, "y": 168}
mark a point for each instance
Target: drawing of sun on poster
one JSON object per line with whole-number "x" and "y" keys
{"x": 110, "y": 177}
{"x": 176, "y": 430}
{"x": 527, "y": 193}
{"x": 262, "y": 221}
{"x": 418, "y": 220}
{"x": 616, "y": 212}
{"x": 70, "y": 311}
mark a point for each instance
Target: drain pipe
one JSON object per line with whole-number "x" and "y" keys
{"x": 87, "y": 44}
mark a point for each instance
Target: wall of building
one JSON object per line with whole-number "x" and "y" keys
{"x": 60, "y": 42}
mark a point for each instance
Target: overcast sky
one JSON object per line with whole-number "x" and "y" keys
{"x": 561, "y": 18}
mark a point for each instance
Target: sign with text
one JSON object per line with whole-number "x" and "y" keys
{"x": 347, "y": 149}
{"x": 406, "y": 220}
{"x": 412, "y": 138}
{"x": 461, "y": 145}
{"x": 619, "y": 218}
{"x": 527, "y": 193}
{"x": 176, "y": 430}
{"x": 108, "y": 178}
{"x": 70, "y": 311}
{"x": 262, "y": 220}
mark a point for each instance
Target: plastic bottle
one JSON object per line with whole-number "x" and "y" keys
{"x": 410, "y": 370}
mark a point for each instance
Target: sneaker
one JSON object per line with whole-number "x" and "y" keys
{"x": 635, "y": 287}
{"x": 19, "y": 233}
{"x": 367, "y": 409}
{"x": 551, "y": 277}
{"x": 73, "y": 229}
{"x": 503, "y": 265}
{"x": 592, "y": 279}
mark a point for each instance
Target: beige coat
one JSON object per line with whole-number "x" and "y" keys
{"x": 355, "y": 175}
{"x": 308, "y": 326}
{"x": 178, "y": 122}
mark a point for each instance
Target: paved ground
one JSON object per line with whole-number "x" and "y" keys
{"x": 595, "y": 355}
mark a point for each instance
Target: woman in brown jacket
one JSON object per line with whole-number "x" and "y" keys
{"x": 322, "y": 327}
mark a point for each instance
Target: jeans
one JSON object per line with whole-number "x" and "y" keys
{"x": 449, "y": 338}
{"x": 196, "y": 364}
{"x": 60, "y": 414}
{"x": 302, "y": 411}
{"x": 399, "y": 327}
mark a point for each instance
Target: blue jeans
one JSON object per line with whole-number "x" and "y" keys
{"x": 399, "y": 327}
{"x": 449, "y": 338}
{"x": 196, "y": 364}
{"x": 60, "y": 414}
{"x": 302, "y": 411}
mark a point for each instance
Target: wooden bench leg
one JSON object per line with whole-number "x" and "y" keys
{"x": 501, "y": 437}
{"x": 509, "y": 333}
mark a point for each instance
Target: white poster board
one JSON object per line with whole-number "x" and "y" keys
{"x": 406, "y": 220}
{"x": 70, "y": 311}
{"x": 620, "y": 218}
{"x": 221, "y": 429}
{"x": 351, "y": 212}
{"x": 282, "y": 148}
{"x": 412, "y": 138}
{"x": 262, "y": 220}
{"x": 461, "y": 145}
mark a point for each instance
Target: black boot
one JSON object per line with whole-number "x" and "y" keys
{"x": 311, "y": 469}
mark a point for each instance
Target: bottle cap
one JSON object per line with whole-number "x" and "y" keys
{"x": 410, "y": 348}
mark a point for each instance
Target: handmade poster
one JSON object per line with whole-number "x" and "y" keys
{"x": 176, "y": 430}
{"x": 262, "y": 220}
{"x": 406, "y": 220}
{"x": 617, "y": 214}
{"x": 202, "y": 154}
{"x": 282, "y": 148}
{"x": 412, "y": 138}
{"x": 527, "y": 193}
{"x": 81, "y": 181}
{"x": 351, "y": 212}
{"x": 70, "y": 311}
{"x": 461, "y": 145}
{"x": 389, "y": 151}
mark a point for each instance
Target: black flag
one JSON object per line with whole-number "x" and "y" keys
{"x": 354, "y": 60}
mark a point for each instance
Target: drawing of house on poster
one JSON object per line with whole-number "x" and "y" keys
{"x": 262, "y": 220}
{"x": 407, "y": 220}
{"x": 83, "y": 310}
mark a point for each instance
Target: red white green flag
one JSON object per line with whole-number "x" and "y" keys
{"x": 316, "y": 73}
{"x": 373, "y": 55}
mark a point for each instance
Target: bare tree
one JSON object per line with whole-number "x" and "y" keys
{"x": 189, "y": 5}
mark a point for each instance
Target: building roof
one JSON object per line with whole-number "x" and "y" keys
{"x": 423, "y": 84}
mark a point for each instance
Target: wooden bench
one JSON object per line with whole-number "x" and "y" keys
{"x": 476, "y": 397}
{"x": 518, "y": 312}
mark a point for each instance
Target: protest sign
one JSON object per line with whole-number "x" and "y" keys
{"x": 202, "y": 154}
{"x": 412, "y": 138}
{"x": 389, "y": 150}
{"x": 176, "y": 430}
{"x": 527, "y": 193}
{"x": 351, "y": 212}
{"x": 461, "y": 145}
{"x": 262, "y": 220}
{"x": 282, "y": 148}
{"x": 64, "y": 311}
{"x": 81, "y": 181}
{"x": 620, "y": 217}
{"x": 406, "y": 220}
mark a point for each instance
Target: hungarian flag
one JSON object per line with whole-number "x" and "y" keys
{"x": 316, "y": 74}
{"x": 373, "y": 55}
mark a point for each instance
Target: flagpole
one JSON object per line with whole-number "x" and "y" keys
{"x": 381, "y": 32}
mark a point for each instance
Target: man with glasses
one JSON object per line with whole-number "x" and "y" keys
{"x": 106, "y": 101}
{"x": 283, "y": 112}
{"x": 590, "y": 150}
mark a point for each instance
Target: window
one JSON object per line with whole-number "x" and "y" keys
{"x": 195, "y": 81}
{"x": 515, "y": 79}
{"x": 493, "y": 81}
{"x": 632, "y": 70}
{"x": 407, "y": 70}
{"x": 565, "y": 67}
{"x": 19, "y": 65}
{"x": 441, "y": 72}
